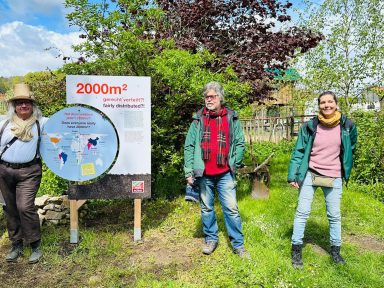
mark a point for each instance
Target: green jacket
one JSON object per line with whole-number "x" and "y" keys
{"x": 299, "y": 163}
{"x": 193, "y": 158}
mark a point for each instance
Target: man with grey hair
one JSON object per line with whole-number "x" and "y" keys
{"x": 214, "y": 148}
{"x": 20, "y": 171}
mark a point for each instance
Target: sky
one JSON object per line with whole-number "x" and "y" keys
{"x": 27, "y": 29}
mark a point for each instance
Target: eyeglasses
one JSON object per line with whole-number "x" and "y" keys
{"x": 211, "y": 97}
{"x": 23, "y": 102}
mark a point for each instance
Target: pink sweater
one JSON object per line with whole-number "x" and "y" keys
{"x": 325, "y": 154}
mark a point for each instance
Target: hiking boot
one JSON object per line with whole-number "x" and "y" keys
{"x": 35, "y": 256}
{"x": 16, "y": 252}
{"x": 36, "y": 252}
{"x": 209, "y": 246}
{"x": 297, "y": 262}
{"x": 336, "y": 257}
{"x": 242, "y": 253}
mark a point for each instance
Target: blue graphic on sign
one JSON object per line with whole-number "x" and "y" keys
{"x": 63, "y": 157}
{"x": 78, "y": 143}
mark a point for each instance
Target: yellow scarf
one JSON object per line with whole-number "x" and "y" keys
{"x": 331, "y": 120}
{"x": 22, "y": 129}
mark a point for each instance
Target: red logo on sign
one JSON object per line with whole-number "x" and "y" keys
{"x": 137, "y": 186}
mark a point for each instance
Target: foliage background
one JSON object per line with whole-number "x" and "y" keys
{"x": 368, "y": 171}
{"x": 133, "y": 38}
{"x": 350, "y": 59}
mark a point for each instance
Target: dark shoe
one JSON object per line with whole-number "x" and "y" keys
{"x": 36, "y": 252}
{"x": 35, "y": 256}
{"x": 242, "y": 253}
{"x": 335, "y": 253}
{"x": 16, "y": 252}
{"x": 209, "y": 247}
{"x": 297, "y": 262}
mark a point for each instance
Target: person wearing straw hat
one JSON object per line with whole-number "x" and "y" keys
{"x": 20, "y": 171}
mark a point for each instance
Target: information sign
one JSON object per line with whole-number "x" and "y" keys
{"x": 78, "y": 143}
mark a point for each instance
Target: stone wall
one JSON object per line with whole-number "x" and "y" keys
{"x": 55, "y": 209}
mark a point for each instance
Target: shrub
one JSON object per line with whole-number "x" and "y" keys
{"x": 369, "y": 155}
{"x": 52, "y": 184}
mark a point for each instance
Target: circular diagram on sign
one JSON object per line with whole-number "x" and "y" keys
{"x": 79, "y": 143}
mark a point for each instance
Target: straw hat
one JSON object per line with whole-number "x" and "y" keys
{"x": 21, "y": 91}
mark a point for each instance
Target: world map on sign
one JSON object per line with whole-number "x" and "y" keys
{"x": 78, "y": 143}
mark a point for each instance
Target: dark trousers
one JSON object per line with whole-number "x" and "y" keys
{"x": 19, "y": 188}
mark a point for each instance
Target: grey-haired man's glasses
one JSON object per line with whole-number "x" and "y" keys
{"x": 211, "y": 97}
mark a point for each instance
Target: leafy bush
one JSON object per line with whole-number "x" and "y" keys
{"x": 49, "y": 90}
{"x": 52, "y": 184}
{"x": 178, "y": 78}
{"x": 369, "y": 156}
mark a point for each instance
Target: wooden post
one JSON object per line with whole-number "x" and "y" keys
{"x": 292, "y": 127}
{"x": 74, "y": 206}
{"x": 137, "y": 220}
{"x": 287, "y": 130}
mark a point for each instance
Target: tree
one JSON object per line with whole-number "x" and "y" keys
{"x": 379, "y": 91}
{"x": 351, "y": 58}
{"x": 49, "y": 90}
{"x": 5, "y": 84}
{"x": 243, "y": 34}
{"x": 115, "y": 35}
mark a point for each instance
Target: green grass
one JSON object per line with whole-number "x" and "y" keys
{"x": 170, "y": 256}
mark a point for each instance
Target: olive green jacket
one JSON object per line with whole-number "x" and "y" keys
{"x": 299, "y": 163}
{"x": 193, "y": 158}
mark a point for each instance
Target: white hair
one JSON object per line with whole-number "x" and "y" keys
{"x": 215, "y": 86}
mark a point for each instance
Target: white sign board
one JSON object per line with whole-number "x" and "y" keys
{"x": 126, "y": 101}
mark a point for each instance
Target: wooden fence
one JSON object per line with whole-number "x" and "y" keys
{"x": 272, "y": 129}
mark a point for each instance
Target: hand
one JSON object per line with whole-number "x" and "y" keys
{"x": 294, "y": 184}
{"x": 190, "y": 180}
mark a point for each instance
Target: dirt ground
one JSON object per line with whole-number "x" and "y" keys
{"x": 366, "y": 242}
{"x": 363, "y": 242}
{"x": 156, "y": 252}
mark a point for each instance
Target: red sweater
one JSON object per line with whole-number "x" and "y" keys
{"x": 211, "y": 167}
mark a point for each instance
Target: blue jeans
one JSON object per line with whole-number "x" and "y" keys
{"x": 226, "y": 190}
{"x": 332, "y": 201}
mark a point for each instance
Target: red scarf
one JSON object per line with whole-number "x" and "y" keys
{"x": 221, "y": 157}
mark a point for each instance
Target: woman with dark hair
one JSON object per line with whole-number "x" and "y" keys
{"x": 322, "y": 157}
